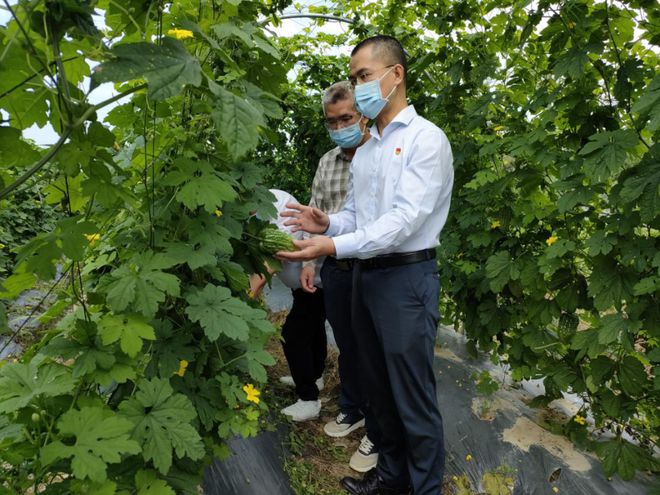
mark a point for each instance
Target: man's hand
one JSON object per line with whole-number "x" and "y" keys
{"x": 306, "y": 218}
{"x": 257, "y": 283}
{"x": 309, "y": 249}
{"x": 307, "y": 278}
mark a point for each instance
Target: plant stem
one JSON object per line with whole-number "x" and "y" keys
{"x": 27, "y": 80}
{"x": 44, "y": 66}
{"x": 56, "y": 147}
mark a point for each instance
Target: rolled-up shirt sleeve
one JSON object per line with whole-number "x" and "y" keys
{"x": 424, "y": 183}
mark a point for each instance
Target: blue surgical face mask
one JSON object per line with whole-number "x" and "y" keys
{"x": 369, "y": 98}
{"x": 347, "y": 137}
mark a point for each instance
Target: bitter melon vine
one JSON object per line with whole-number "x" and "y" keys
{"x": 158, "y": 354}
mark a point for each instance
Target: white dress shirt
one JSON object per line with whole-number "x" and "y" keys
{"x": 400, "y": 190}
{"x": 290, "y": 274}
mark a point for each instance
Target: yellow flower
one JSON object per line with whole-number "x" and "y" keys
{"x": 495, "y": 224}
{"x": 579, "y": 419}
{"x": 551, "y": 240}
{"x": 92, "y": 238}
{"x": 180, "y": 34}
{"x": 454, "y": 478}
{"x": 218, "y": 213}
{"x": 183, "y": 364}
{"x": 468, "y": 457}
{"x": 555, "y": 489}
{"x": 251, "y": 393}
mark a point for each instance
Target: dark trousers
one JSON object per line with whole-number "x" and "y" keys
{"x": 305, "y": 343}
{"x": 396, "y": 314}
{"x": 338, "y": 290}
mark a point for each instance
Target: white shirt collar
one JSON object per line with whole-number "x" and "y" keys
{"x": 404, "y": 117}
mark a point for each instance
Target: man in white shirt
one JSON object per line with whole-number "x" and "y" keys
{"x": 394, "y": 212}
{"x": 303, "y": 332}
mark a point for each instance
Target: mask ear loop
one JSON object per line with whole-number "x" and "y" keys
{"x": 363, "y": 131}
{"x": 393, "y": 89}
{"x": 391, "y": 92}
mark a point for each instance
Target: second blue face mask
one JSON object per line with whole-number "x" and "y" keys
{"x": 347, "y": 137}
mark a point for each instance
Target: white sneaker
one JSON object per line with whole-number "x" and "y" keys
{"x": 303, "y": 410}
{"x": 365, "y": 457}
{"x": 288, "y": 381}
{"x": 343, "y": 425}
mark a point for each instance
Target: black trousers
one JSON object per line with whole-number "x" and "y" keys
{"x": 395, "y": 314}
{"x": 305, "y": 343}
{"x": 338, "y": 293}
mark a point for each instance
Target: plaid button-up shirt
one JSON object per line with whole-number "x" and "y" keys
{"x": 330, "y": 186}
{"x": 331, "y": 181}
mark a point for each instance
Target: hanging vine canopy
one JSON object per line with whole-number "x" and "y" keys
{"x": 550, "y": 259}
{"x": 144, "y": 376}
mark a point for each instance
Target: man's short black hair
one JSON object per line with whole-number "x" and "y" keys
{"x": 386, "y": 47}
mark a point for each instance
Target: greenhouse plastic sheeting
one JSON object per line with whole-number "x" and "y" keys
{"x": 500, "y": 436}
{"x": 496, "y": 443}
{"x": 255, "y": 467}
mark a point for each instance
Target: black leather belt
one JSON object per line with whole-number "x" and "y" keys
{"x": 345, "y": 265}
{"x": 397, "y": 259}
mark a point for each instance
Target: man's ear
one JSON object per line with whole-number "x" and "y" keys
{"x": 398, "y": 73}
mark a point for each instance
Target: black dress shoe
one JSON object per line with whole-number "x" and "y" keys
{"x": 370, "y": 484}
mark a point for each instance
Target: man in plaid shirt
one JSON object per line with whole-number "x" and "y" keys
{"x": 348, "y": 129}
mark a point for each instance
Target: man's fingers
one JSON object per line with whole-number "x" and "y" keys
{"x": 287, "y": 255}
{"x": 291, "y": 213}
{"x": 296, "y": 206}
{"x": 308, "y": 285}
{"x": 302, "y": 255}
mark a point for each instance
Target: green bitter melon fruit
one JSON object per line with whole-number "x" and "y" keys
{"x": 273, "y": 240}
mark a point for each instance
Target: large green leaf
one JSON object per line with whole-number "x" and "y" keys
{"x": 162, "y": 423}
{"x": 206, "y": 190}
{"x": 237, "y": 122}
{"x": 500, "y": 268}
{"x": 632, "y": 376}
{"x": 624, "y": 458}
{"x": 167, "y": 67}
{"x": 600, "y": 243}
{"x": 609, "y": 284}
{"x": 130, "y": 330}
{"x": 141, "y": 284}
{"x": 148, "y": 483}
{"x": 219, "y": 313}
{"x": 21, "y": 383}
{"x": 606, "y": 152}
{"x": 572, "y": 63}
{"x": 648, "y": 106}
{"x": 200, "y": 184}
{"x": 643, "y": 186}
{"x": 612, "y": 326}
{"x": 14, "y": 151}
{"x": 101, "y": 437}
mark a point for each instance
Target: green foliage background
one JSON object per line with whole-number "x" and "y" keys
{"x": 550, "y": 258}
{"x": 20, "y": 220}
